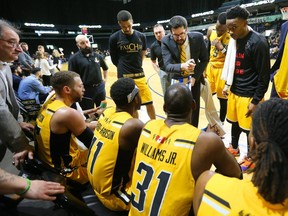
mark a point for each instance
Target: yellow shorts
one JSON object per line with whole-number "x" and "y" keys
{"x": 214, "y": 77}
{"x": 119, "y": 202}
{"x": 144, "y": 91}
{"x": 80, "y": 174}
{"x": 237, "y": 108}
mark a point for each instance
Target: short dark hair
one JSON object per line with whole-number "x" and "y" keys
{"x": 237, "y": 12}
{"x": 178, "y": 100}
{"x": 7, "y": 24}
{"x": 222, "y": 18}
{"x": 121, "y": 89}
{"x": 35, "y": 70}
{"x": 157, "y": 25}
{"x": 177, "y": 22}
{"x": 14, "y": 66}
{"x": 124, "y": 15}
{"x": 63, "y": 78}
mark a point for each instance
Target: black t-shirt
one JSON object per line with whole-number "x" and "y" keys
{"x": 156, "y": 53}
{"x": 88, "y": 67}
{"x": 126, "y": 52}
{"x": 252, "y": 67}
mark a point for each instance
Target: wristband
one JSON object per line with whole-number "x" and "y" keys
{"x": 223, "y": 50}
{"x": 26, "y": 189}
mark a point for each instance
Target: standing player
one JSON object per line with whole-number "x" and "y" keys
{"x": 127, "y": 50}
{"x": 250, "y": 74}
{"x": 219, "y": 39}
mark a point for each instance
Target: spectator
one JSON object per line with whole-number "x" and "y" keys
{"x": 25, "y": 60}
{"x": 56, "y": 59}
{"x": 16, "y": 75}
{"x": 32, "y": 88}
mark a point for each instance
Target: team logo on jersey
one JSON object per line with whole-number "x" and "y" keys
{"x": 96, "y": 60}
{"x": 160, "y": 139}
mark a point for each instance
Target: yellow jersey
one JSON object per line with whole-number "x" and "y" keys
{"x": 217, "y": 58}
{"x": 59, "y": 150}
{"x": 280, "y": 78}
{"x": 162, "y": 182}
{"x": 231, "y": 196}
{"x": 109, "y": 168}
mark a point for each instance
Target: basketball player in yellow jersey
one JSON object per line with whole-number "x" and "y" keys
{"x": 57, "y": 126}
{"x": 170, "y": 156}
{"x": 218, "y": 41}
{"x": 110, "y": 161}
{"x": 267, "y": 192}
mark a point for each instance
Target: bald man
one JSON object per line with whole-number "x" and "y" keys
{"x": 88, "y": 65}
{"x": 169, "y": 160}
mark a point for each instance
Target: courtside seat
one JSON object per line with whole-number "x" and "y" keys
{"x": 29, "y": 109}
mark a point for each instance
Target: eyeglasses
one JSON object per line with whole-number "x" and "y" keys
{"x": 11, "y": 43}
{"x": 181, "y": 35}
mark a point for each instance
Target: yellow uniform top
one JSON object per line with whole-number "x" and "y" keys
{"x": 109, "y": 168}
{"x": 280, "y": 78}
{"x": 162, "y": 182}
{"x": 217, "y": 58}
{"x": 231, "y": 196}
{"x": 59, "y": 150}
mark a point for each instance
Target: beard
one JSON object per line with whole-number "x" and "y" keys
{"x": 86, "y": 51}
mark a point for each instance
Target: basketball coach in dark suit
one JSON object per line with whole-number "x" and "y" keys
{"x": 185, "y": 55}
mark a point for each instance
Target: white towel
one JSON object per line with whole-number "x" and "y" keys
{"x": 229, "y": 64}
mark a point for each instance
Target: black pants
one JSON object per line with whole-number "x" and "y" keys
{"x": 46, "y": 80}
{"x": 196, "y": 96}
{"x": 96, "y": 93}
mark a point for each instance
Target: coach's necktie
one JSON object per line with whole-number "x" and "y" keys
{"x": 183, "y": 59}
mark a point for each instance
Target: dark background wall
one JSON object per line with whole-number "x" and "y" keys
{"x": 71, "y": 13}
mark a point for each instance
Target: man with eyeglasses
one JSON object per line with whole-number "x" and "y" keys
{"x": 11, "y": 135}
{"x": 11, "y": 122}
{"x": 189, "y": 71}
{"x": 127, "y": 50}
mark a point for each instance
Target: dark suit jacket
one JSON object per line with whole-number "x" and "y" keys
{"x": 11, "y": 134}
{"x": 171, "y": 55}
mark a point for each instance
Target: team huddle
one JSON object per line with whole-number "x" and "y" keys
{"x": 163, "y": 167}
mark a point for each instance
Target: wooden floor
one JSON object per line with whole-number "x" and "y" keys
{"x": 155, "y": 86}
